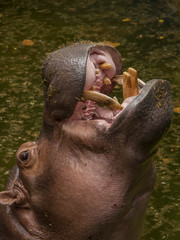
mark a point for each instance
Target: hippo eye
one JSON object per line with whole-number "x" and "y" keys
{"x": 24, "y": 156}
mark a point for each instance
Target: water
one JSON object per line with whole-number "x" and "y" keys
{"x": 149, "y": 35}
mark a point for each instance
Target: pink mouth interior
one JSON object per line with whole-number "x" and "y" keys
{"x": 90, "y": 110}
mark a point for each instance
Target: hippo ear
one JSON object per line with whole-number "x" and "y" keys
{"x": 8, "y": 197}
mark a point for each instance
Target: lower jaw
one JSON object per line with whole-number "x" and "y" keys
{"x": 96, "y": 112}
{"x": 90, "y": 110}
{"x": 109, "y": 115}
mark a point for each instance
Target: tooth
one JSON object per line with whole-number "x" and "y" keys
{"x": 127, "y": 90}
{"x": 107, "y": 81}
{"x": 118, "y": 79}
{"x": 105, "y": 66}
{"x": 92, "y": 88}
{"x": 102, "y": 99}
{"x": 115, "y": 98}
{"x": 97, "y": 71}
{"x": 134, "y": 81}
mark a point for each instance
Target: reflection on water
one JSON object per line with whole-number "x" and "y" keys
{"x": 149, "y": 37}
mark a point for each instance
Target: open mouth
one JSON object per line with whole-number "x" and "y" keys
{"x": 102, "y": 79}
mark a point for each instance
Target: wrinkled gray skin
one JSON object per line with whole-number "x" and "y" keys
{"x": 85, "y": 180}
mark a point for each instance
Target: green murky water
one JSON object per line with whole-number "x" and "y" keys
{"x": 149, "y": 35}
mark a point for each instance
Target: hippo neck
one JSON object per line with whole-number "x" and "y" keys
{"x": 123, "y": 228}
{"x": 80, "y": 218}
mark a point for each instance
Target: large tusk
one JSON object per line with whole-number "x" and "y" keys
{"x": 102, "y": 99}
{"x": 127, "y": 88}
{"x": 134, "y": 81}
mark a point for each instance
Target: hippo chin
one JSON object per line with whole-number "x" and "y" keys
{"x": 91, "y": 172}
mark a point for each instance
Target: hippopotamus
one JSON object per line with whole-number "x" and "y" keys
{"x": 90, "y": 174}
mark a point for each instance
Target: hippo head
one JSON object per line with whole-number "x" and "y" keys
{"x": 91, "y": 172}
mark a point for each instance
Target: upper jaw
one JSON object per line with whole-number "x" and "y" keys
{"x": 103, "y": 68}
{"x": 102, "y": 75}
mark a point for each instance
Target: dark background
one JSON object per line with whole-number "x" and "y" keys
{"x": 148, "y": 35}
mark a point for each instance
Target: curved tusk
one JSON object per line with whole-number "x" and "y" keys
{"x": 101, "y": 98}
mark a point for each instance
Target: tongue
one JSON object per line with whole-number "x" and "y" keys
{"x": 104, "y": 112}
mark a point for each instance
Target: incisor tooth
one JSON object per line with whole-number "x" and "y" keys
{"x": 134, "y": 81}
{"x": 101, "y": 99}
{"x": 97, "y": 71}
{"x": 107, "y": 81}
{"x": 126, "y": 85}
{"x": 92, "y": 88}
{"x": 105, "y": 65}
